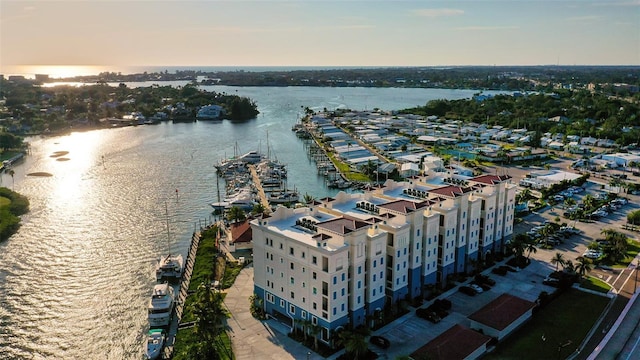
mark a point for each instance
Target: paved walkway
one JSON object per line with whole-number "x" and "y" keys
{"x": 253, "y": 339}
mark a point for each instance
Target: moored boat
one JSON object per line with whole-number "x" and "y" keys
{"x": 155, "y": 343}
{"x": 161, "y": 306}
{"x": 169, "y": 267}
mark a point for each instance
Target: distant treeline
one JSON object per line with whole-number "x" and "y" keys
{"x": 516, "y": 78}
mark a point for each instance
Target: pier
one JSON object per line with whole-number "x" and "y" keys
{"x": 258, "y": 184}
{"x": 182, "y": 296}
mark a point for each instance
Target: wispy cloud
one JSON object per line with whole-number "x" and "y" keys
{"x": 437, "y": 12}
{"x": 586, "y": 18}
{"x": 486, "y": 28}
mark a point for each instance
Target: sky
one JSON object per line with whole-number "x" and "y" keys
{"x": 115, "y": 33}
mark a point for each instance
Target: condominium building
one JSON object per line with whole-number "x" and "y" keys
{"x": 339, "y": 261}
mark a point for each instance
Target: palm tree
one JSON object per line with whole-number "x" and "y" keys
{"x": 569, "y": 202}
{"x": 258, "y": 209}
{"x": 210, "y": 315}
{"x": 236, "y": 214}
{"x": 558, "y": 259}
{"x": 308, "y": 199}
{"x": 314, "y": 329}
{"x": 13, "y": 183}
{"x": 355, "y": 343}
{"x": 530, "y": 247}
{"x": 518, "y": 245}
{"x": 583, "y": 266}
{"x": 588, "y": 201}
{"x": 523, "y": 195}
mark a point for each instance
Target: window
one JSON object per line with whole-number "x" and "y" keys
{"x": 359, "y": 284}
{"x": 418, "y": 232}
{"x": 358, "y": 299}
{"x": 342, "y": 292}
{"x": 266, "y": 241}
{"x": 281, "y": 261}
{"x": 380, "y": 288}
{"x": 291, "y": 280}
{"x": 315, "y": 306}
{"x": 335, "y": 295}
{"x": 291, "y": 266}
{"x": 314, "y": 320}
{"x": 270, "y": 298}
{"x": 417, "y": 259}
{"x": 314, "y": 260}
{"x": 381, "y": 261}
{"x": 303, "y": 314}
{"x": 398, "y": 253}
{"x": 374, "y": 292}
{"x": 291, "y": 251}
{"x": 315, "y": 291}
{"x": 281, "y": 274}
{"x": 359, "y": 269}
{"x": 281, "y": 247}
{"x": 335, "y": 280}
{"x": 281, "y": 303}
{"x": 343, "y": 276}
{"x": 314, "y": 275}
{"x": 335, "y": 311}
{"x": 293, "y": 296}
{"x": 374, "y": 263}
{"x": 303, "y": 254}
{"x": 405, "y": 251}
{"x": 304, "y": 284}
{"x": 342, "y": 307}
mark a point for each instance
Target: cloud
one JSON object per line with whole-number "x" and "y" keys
{"x": 586, "y": 18}
{"x": 437, "y": 12}
{"x": 29, "y": 8}
{"x": 486, "y": 28}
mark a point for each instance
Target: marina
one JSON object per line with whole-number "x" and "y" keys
{"x": 107, "y": 196}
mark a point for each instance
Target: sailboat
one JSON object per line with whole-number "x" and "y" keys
{"x": 169, "y": 267}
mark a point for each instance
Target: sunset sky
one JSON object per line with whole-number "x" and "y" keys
{"x": 319, "y": 33}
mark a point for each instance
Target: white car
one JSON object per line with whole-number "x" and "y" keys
{"x": 592, "y": 254}
{"x": 477, "y": 288}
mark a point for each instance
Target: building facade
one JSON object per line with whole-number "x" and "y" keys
{"x": 339, "y": 261}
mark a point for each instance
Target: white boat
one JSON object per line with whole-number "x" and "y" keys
{"x": 155, "y": 342}
{"x": 243, "y": 199}
{"x": 169, "y": 267}
{"x": 289, "y": 196}
{"x": 161, "y": 306}
{"x": 252, "y": 157}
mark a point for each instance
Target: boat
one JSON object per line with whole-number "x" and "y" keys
{"x": 155, "y": 343}
{"x": 169, "y": 267}
{"x": 161, "y": 306}
{"x": 288, "y": 196}
{"x": 243, "y": 198}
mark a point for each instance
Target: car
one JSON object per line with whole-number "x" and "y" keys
{"x": 380, "y": 341}
{"x": 551, "y": 282}
{"x": 484, "y": 286}
{"x": 499, "y": 271}
{"x": 467, "y": 290}
{"x": 592, "y": 254}
{"x": 477, "y": 288}
{"x": 443, "y": 304}
{"x": 427, "y": 314}
{"x": 507, "y": 268}
{"x": 484, "y": 279}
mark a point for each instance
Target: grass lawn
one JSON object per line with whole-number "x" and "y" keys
{"x": 567, "y": 318}
{"x": 633, "y": 248}
{"x": 344, "y": 168}
{"x": 595, "y": 284}
{"x": 203, "y": 268}
{"x": 186, "y": 337}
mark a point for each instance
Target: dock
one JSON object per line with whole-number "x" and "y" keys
{"x": 258, "y": 184}
{"x": 182, "y": 296}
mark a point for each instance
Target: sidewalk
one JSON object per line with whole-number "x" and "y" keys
{"x": 253, "y": 339}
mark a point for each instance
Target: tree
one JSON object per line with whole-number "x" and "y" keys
{"x": 13, "y": 182}
{"x": 588, "y": 201}
{"x": 314, "y": 330}
{"x": 569, "y": 202}
{"x": 583, "y": 266}
{"x": 308, "y": 199}
{"x": 558, "y": 259}
{"x": 530, "y": 247}
{"x": 258, "y": 209}
{"x": 355, "y": 342}
{"x": 236, "y": 214}
{"x": 616, "y": 245}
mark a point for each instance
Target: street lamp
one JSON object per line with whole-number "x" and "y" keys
{"x": 308, "y": 355}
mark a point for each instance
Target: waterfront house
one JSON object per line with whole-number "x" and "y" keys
{"x": 502, "y": 316}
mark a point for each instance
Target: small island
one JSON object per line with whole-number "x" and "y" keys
{"x": 12, "y": 205}
{"x": 30, "y": 109}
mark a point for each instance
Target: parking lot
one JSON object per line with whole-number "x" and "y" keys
{"x": 410, "y": 332}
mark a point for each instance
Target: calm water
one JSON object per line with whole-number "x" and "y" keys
{"x": 74, "y": 281}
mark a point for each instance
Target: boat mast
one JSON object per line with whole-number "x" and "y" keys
{"x": 166, "y": 211}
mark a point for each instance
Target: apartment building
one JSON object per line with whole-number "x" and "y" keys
{"x": 341, "y": 260}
